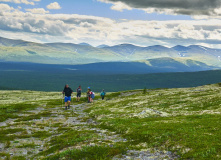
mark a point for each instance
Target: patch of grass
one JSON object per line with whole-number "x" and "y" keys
{"x": 90, "y": 152}
{"x": 18, "y": 158}
{"x": 16, "y": 142}
{"x": 7, "y": 135}
{"x": 54, "y": 102}
{"x": 67, "y": 139}
{"x": 60, "y": 129}
{"x": 56, "y": 125}
{"x": 30, "y": 145}
{"x": 113, "y": 95}
{"x": 10, "y": 111}
{"x": 34, "y": 116}
{"x": 5, "y": 155}
{"x": 41, "y": 134}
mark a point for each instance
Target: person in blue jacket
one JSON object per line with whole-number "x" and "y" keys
{"x": 103, "y": 94}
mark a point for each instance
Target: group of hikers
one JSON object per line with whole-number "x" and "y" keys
{"x": 67, "y": 92}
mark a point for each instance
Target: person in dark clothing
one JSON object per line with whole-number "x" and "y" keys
{"x": 89, "y": 94}
{"x": 67, "y": 99}
{"x": 103, "y": 94}
{"x": 79, "y": 90}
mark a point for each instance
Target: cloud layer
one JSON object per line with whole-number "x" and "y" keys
{"x": 37, "y": 26}
{"x": 28, "y": 2}
{"x": 184, "y": 7}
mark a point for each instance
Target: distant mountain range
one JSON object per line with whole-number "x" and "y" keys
{"x": 191, "y": 58}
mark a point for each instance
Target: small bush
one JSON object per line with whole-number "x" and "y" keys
{"x": 145, "y": 90}
{"x": 7, "y": 144}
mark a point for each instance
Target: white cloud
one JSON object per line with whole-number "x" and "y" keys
{"x": 119, "y": 6}
{"x": 20, "y": 1}
{"x": 54, "y": 5}
{"x": 37, "y": 10}
{"x": 5, "y": 7}
{"x": 97, "y": 30}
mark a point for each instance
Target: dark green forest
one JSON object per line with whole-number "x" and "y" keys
{"x": 54, "y": 77}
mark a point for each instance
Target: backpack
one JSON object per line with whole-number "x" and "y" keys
{"x": 78, "y": 90}
{"x": 92, "y": 95}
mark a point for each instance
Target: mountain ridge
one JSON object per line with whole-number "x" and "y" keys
{"x": 70, "y": 53}
{"x": 102, "y": 45}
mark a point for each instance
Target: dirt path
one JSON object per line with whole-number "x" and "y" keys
{"x": 31, "y": 146}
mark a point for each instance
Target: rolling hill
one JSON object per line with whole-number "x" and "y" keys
{"x": 195, "y": 58}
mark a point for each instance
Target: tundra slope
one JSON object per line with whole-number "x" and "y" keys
{"x": 155, "y": 124}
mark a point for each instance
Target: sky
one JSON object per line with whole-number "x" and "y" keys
{"x": 112, "y": 22}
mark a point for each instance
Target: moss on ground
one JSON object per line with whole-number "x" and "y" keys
{"x": 185, "y": 121}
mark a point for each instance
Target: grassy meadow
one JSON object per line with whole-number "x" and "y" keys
{"x": 181, "y": 123}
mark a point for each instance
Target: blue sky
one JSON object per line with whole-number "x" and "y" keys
{"x": 96, "y": 8}
{"x": 141, "y": 22}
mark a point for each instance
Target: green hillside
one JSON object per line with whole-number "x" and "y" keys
{"x": 69, "y": 53}
{"x": 181, "y": 123}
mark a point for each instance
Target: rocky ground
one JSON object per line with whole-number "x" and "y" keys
{"x": 142, "y": 125}
{"x": 31, "y": 147}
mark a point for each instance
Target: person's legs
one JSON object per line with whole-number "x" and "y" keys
{"x": 69, "y": 102}
{"x": 66, "y": 100}
{"x": 89, "y": 99}
{"x": 78, "y": 97}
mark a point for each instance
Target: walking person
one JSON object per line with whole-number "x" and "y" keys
{"x": 89, "y": 95}
{"x": 67, "y": 99}
{"x": 103, "y": 94}
{"x": 79, "y": 90}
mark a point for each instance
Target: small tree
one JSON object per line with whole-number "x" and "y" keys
{"x": 145, "y": 90}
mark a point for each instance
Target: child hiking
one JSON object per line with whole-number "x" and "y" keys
{"x": 79, "y": 90}
{"x": 89, "y": 95}
{"x": 102, "y": 94}
{"x": 67, "y": 99}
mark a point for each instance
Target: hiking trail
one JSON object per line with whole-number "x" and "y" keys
{"x": 77, "y": 119}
